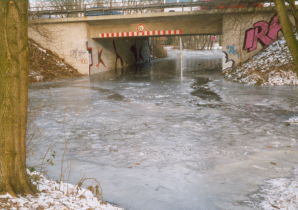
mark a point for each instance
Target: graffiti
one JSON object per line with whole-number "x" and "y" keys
{"x": 150, "y": 50}
{"x": 100, "y": 60}
{"x": 79, "y": 55}
{"x": 118, "y": 57}
{"x": 89, "y": 49}
{"x": 138, "y": 54}
{"x": 141, "y": 57}
{"x": 227, "y": 63}
{"x": 134, "y": 50}
{"x": 83, "y": 60}
{"x": 263, "y": 32}
{"x": 91, "y": 60}
{"x": 232, "y": 50}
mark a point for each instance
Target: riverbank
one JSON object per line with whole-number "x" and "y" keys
{"x": 272, "y": 66}
{"x": 45, "y": 65}
{"x": 54, "y": 195}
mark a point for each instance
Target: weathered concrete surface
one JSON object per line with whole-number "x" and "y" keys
{"x": 70, "y": 41}
{"x": 111, "y": 54}
{"x": 189, "y": 25}
{"x": 234, "y": 36}
{"x": 70, "y": 37}
{"x": 211, "y": 12}
{"x": 67, "y": 41}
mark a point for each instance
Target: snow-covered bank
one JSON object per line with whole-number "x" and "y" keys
{"x": 272, "y": 66}
{"x": 292, "y": 121}
{"x": 55, "y": 196}
{"x": 280, "y": 193}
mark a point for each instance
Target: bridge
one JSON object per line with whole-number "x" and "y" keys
{"x": 125, "y": 7}
{"x": 99, "y": 43}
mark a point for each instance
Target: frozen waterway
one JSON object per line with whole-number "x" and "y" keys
{"x": 161, "y": 138}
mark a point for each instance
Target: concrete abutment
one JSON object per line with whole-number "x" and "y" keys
{"x": 71, "y": 42}
{"x": 98, "y": 44}
{"x": 244, "y": 35}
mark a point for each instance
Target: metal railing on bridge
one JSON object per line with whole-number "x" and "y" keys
{"x": 52, "y": 9}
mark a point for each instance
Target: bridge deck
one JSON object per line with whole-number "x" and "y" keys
{"x": 91, "y": 19}
{"x": 137, "y": 6}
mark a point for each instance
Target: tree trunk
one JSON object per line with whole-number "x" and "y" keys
{"x": 13, "y": 97}
{"x": 288, "y": 30}
{"x": 294, "y": 12}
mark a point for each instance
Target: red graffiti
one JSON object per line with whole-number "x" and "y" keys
{"x": 100, "y": 61}
{"x": 118, "y": 57}
{"x": 263, "y": 32}
{"x": 89, "y": 49}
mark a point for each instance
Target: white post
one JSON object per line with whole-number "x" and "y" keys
{"x": 181, "y": 58}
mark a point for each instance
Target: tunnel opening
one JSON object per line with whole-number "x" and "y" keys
{"x": 122, "y": 53}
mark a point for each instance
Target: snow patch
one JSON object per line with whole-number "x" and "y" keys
{"x": 54, "y": 196}
{"x": 280, "y": 193}
{"x": 293, "y": 120}
{"x": 272, "y": 66}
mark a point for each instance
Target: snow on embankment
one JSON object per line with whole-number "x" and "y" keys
{"x": 55, "y": 196}
{"x": 280, "y": 193}
{"x": 45, "y": 65}
{"x": 272, "y": 66}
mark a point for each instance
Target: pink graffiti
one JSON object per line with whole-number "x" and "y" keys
{"x": 263, "y": 32}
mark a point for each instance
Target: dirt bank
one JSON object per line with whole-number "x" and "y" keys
{"x": 45, "y": 65}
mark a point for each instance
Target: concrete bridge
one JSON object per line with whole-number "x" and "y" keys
{"x": 99, "y": 43}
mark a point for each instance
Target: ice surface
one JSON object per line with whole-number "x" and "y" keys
{"x": 171, "y": 139}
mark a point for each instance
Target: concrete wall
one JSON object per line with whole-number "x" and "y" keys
{"x": 68, "y": 41}
{"x": 189, "y": 25}
{"x": 110, "y": 54}
{"x": 235, "y": 27}
{"x": 77, "y": 40}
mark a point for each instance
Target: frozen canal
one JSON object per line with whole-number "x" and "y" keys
{"x": 167, "y": 136}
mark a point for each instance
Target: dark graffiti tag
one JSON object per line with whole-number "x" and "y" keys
{"x": 89, "y": 49}
{"x": 118, "y": 57}
{"x": 263, "y": 32}
{"x": 100, "y": 60}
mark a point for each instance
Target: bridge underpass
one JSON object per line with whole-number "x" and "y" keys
{"x": 101, "y": 43}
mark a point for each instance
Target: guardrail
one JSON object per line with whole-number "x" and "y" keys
{"x": 127, "y": 7}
